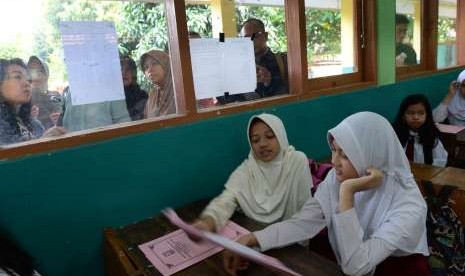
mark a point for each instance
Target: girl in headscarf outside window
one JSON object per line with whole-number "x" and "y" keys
{"x": 136, "y": 98}
{"x": 157, "y": 69}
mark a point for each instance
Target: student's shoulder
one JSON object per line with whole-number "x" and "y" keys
{"x": 301, "y": 156}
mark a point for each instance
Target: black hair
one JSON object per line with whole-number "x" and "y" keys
{"x": 256, "y": 22}
{"x": 253, "y": 123}
{"x": 402, "y": 19}
{"x": 125, "y": 59}
{"x": 428, "y": 132}
{"x": 7, "y": 110}
{"x": 13, "y": 258}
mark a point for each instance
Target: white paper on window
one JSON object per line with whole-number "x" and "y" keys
{"x": 92, "y": 61}
{"x": 220, "y": 67}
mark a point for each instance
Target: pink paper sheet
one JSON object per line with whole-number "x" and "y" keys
{"x": 240, "y": 249}
{"x": 449, "y": 128}
{"x": 175, "y": 251}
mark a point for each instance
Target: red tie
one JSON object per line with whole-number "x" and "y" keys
{"x": 409, "y": 149}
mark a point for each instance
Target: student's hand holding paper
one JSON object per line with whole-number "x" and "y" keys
{"x": 203, "y": 224}
{"x": 233, "y": 262}
{"x": 400, "y": 59}
{"x": 263, "y": 75}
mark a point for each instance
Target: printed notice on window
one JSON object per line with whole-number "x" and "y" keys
{"x": 175, "y": 251}
{"x": 92, "y": 61}
{"x": 219, "y": 67}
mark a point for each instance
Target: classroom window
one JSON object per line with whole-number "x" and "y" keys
{"x": 83, "y": 66}
{"x": 331, "y": 49}
{"x": 408, "y": 26}
{"x": 250, "y": 64}
{"x": 447, "y": 34}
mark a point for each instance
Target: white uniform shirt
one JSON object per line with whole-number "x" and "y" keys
{"x": 440, "y": 113}
{"x": 439, "y": 152}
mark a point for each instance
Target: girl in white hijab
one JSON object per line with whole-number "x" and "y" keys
{"x": 270, "y": 185}
{"x": 369, "y": 202}
{"x": 453, "y": 104}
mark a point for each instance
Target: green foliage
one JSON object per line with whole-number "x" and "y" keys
{"x": 9, "y": 50}
{"x": 272, "y": 17}
{"x": 446, "y": 27}
{"x": 199, "y": 19}
{"x": 142, "y": 27}
{"x": 323, "y": 32}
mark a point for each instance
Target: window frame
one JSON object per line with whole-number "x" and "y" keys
{"x": 300, "y": 87}
{"x": 364, "y": 35}
{"x": 429, "y": 42}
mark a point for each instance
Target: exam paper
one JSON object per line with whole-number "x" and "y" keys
{"x": 240, "y": 249}
{"x": 175, "y": 251}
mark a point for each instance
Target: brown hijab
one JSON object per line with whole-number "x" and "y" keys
{"x": 161, "y": 99}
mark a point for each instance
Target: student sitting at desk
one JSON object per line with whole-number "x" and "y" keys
{"x": 370, "y": 203}
{"x": 452, "y": 106}
{"x": 418, "y": 133}
{"x": 271, "y": 185}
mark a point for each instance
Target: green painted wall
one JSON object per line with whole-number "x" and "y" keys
{"x": 58, "y": 203}
{"x": 386, "y": 38}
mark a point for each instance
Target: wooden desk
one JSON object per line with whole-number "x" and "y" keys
{"x": 451, "y": 176}
{"x": 424, "y": 172}
{"x": 453, "y": 138}
{"x": 455, "y": 177}
{"x": 123, "y": 258}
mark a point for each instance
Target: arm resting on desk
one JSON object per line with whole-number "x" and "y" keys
{"x": 305, "y": 224}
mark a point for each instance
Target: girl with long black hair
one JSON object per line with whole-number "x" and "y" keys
{"x": 418, "y": 133}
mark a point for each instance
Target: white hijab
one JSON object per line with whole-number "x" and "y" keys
{"x": 275, "y": 190}
{"x": 395, "y": 211}
{"x": 457, "y": 105}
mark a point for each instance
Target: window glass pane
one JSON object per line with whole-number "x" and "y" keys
{"x": 100, "y": 84}
{"x": 240, "y": 21}
{"x": 447, "y": 45}
{"x": 330, "y": 37}
{"x": 408, "y": 32}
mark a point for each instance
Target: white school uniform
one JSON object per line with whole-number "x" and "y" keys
{"x": 265, "y": 191}
{"x": 388, "y": 220}
{"x": 439, "y": 152}
{"x": 455, "y": 111}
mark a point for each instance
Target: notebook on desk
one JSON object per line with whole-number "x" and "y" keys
{"x": 175, "y": 251}
{"x": 459, "y": 131}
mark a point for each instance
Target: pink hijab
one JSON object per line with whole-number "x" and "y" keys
{"x": 161, "y": 99}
